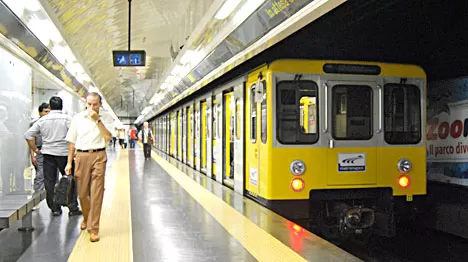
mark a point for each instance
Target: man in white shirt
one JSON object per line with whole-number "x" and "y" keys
{"x": 89, "y": 134}
{"x": 146, "y": 137}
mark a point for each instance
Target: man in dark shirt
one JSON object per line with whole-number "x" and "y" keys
{"x": 53, "y": 128}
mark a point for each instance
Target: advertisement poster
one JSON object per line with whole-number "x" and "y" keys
{"x": 447, "y": 131}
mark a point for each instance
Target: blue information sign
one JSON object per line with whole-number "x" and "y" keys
{"x": 129, "y": 58}
{"x": 122, "y": 60}
{"x": 135, "y": 59}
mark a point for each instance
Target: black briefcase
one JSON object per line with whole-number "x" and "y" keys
{"x": 63, "y": 191}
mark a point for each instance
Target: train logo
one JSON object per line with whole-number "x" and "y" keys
{"x": 352, "y": 162}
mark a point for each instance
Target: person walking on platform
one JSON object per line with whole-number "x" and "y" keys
{"x": 114, "y": 133}
{"x": 89, "y": 134}
{"x": 37, "y": 159}
{"x": 122, "y": 137}
{"x": 145, "y": 136}
{"x": 133, "y": 136}
{"x": 52, "y": 128}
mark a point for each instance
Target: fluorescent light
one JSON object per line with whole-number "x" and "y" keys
{"x": 246, "y": 10}
{"x": 156, "y": 99}
{"x": 174, "y": 80}
{"x": 146, "y": 110}
{"x": 226, "y": 9}
{"x": 177, "y": 70}
{"x": 192, "y": 58}
{"x": 167, "y": 86}
{"x": 185, "y": 59}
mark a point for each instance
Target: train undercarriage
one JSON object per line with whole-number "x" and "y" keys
{"x": 359, "y": 213}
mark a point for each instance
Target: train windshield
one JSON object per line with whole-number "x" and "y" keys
{"x": 352, "y": 112}
{"x": 297, "y": 112}
{"x": 402, "y": 112}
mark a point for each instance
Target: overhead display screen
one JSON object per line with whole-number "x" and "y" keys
{"x": 129, "y": 58}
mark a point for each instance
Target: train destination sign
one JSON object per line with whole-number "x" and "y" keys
{"x": 129, "y": 58}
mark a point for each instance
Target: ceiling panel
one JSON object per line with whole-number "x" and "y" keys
{"x": 94, "y": 28}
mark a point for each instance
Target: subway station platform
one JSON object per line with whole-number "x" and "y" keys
{"x": 161, "y": 210}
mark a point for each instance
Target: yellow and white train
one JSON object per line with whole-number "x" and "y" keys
{"x": 338, "y": 142}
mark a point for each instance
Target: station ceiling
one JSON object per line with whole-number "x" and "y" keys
{"x": 93, "y": 29}
{"x": 429, "y": 33}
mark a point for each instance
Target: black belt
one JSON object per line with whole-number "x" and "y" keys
{"x": 91, "y": 150}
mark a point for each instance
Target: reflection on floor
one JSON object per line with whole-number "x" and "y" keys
{"x": 169, "y": 225}
{"x": 52, "y": 240}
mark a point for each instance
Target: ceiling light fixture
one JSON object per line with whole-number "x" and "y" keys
{"x": 227, "y": 8}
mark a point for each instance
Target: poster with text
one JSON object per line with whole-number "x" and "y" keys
{"x": 447, "y": 131}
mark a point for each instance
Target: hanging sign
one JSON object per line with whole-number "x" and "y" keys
{"x": 129, "y": 58}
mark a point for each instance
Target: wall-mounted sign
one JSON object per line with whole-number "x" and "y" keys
{"x": 447, "y": 131}
{"x": 129, "y": 58}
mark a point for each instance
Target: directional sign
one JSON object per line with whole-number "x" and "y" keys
{"x": 129, "y": 58}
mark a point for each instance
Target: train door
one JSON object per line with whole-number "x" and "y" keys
{"x": 168, "y": 134}
{"x": 228, "y": 139}
{"x": 161, "y": 133}
{"x": 174, "y": 134}
{"x": 351, "y": 111}
{"x": 253, "y": 140}
{"x": 163, "y": 126}
{"x": 209, "y": 140}
{"x": 218, "y": 141}
{"x": 184, "y": 135}
{"x": 158, "y": 134}
{"x": 203, "y": 136}
{"x": 238, "y": 98}
{"x": 190, "y": 136}
{"x": 179, "y": 135}
{"x": 196, "y": 143}
{"x": 153, "y": 129}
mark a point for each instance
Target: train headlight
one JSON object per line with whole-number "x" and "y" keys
{"x": 297, "y": 184}
{"x": 404, "y": 181}
{"x": 404, "y": 166}
{"x": 297, "y": 167}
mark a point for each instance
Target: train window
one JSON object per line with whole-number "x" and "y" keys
{"x": 402, "y": 114}
{"x": 253, "y": 115}
{"x": 296, "y": 106}
{"x": 308, "y": 114}
{"x": 264, "y": 114}
{"x": 352, "y": 112}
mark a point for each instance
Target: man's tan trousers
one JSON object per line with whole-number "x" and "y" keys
{"x": 90, "y": 168}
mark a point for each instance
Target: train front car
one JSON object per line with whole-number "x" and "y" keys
{"x": 340, "y": 143}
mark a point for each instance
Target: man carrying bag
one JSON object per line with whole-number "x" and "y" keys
{"x": 146, "y": 137}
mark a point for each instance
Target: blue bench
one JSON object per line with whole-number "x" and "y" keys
{"x": 19, "y": 207}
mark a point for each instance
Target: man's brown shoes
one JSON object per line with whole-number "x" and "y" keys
{"x": 94, "y": 237}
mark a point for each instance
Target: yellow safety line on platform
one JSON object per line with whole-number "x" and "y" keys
{"x": 258, "y": 242}
{"x": 116, "y": 224}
